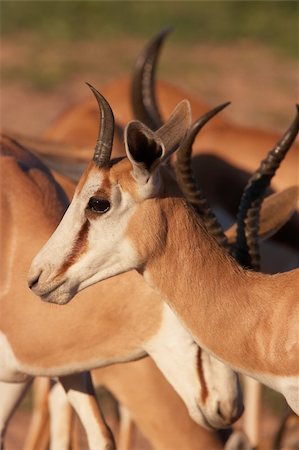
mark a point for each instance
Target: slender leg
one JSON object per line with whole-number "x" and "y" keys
{"x": 252, "y": 401}
{"x": 80, "y": 392}
{"x": 75, "y": 434}
{"x": 60, "y": 418}
{"x": 11, "y": 395}
{"x": 126, "y": 429}
{"x": 38, "y": 433}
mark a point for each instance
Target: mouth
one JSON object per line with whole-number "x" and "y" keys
{"x": 200, "y": 417}
{"x": 210, "y": 422}
{"x": 57, "y": 295}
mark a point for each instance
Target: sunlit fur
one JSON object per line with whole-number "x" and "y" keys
{"x": 252, "y": 317}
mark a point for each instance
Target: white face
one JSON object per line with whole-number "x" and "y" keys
{"x": 87, "y": 246}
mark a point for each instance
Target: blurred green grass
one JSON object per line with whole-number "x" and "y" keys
{"x": 274, "y": 23}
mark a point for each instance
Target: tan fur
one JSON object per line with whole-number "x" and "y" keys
{"x": 240, "y": 306}
{"x": 121, "y": 174}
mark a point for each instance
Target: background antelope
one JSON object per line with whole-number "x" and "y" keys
{"x": 131, "y": 189}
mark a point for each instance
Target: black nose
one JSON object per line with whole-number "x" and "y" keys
{"x": 34, "y": 281}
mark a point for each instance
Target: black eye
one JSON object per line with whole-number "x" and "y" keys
{"x": 98, "y": 205}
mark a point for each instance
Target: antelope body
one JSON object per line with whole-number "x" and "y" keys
{"x": 135, "y": 221}
{"x": 48, "y": 340}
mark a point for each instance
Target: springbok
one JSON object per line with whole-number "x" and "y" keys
{"x": 58, "y": 342}
{"x": 124, "y": 216}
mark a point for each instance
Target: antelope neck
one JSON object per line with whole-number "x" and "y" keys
{"x": 220, "y": 303}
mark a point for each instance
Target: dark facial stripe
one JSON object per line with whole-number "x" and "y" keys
{"x": 79, "y": 247}
{"x": 204, "y": 388}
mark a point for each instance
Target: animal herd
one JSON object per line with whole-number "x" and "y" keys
{"x": 131, "y": 261}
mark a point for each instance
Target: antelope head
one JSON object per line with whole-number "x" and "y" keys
{"x": 92, "y": 242}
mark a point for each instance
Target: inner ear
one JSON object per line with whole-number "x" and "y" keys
{"x": 144, "y": 147}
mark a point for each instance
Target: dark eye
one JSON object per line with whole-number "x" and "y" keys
{"x": 98, "y": 205}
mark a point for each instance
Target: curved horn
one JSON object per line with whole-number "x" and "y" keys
{"x": 143, "y": 96}
{"x": 103, "y": 148}
{"x": 188, "y": 184}
{"x": 247, "y": 248}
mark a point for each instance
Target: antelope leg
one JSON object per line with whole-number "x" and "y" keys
{"x": 81, "y": 395}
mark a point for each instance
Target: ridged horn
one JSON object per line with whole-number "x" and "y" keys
{"x": 103, "y": 148}
{"x": 188, "y": 184}
{"x": 247, "y": 246}
{"x": 143, "y": 95}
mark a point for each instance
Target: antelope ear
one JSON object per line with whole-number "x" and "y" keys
{"x": 147, "y": 149}
{"x": 144, "y": 149}
{"x": 174, "y": 130}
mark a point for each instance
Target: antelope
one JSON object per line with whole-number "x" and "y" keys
{"x": 45, "y": 340}
{"x": 132, "y": 220}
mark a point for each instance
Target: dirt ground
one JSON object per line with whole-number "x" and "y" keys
{"x": 262, "y": 85}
